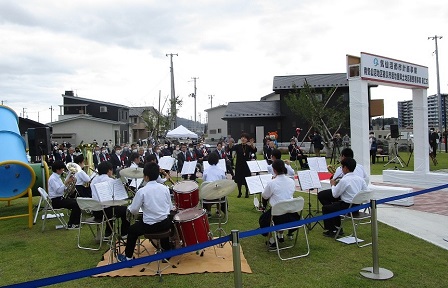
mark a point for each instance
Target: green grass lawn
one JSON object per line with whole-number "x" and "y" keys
{"x": 28, "y": 254}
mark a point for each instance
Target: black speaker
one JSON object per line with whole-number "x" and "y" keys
{"x": 39, "y": 141}
{"x": 394, "y": 133}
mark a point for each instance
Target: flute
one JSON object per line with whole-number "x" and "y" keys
{"x": 166, "y": 175}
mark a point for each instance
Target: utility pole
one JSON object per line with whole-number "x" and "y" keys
{"x": 23, "y": 113}
{"x": 439, "y": 97}
{"x": 211, "y": 100}
{"x": 173, "y": 94}
{"x": 158, "y": 115}
{"x": 194, "y": 96}
{"x": 51, "y": 114}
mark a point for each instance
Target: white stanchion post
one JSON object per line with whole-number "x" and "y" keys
{"x": 375, "y": 272}
{"x": 236, "y": 258}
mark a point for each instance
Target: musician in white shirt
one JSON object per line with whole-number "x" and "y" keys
{"x": 105, "y": 172}
{"x": 82, "y": 178}
{"x": 277, "y": 154}
{"x": 56, "y": 190}
{"x": 214, "y": 173}
{"x": 154, "y": 200}
{"x": 344, "y": 192}
{"x": 325, "y": 196}
{"x": 280, "y": 188}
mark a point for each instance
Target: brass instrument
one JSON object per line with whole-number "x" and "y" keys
{"x": 70, "y": 189}
{"x": 331, "y": 169}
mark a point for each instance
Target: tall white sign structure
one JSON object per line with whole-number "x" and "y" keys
{"x": 379, "y": 70}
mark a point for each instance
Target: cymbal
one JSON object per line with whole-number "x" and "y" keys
{"x": 132, "y": 172}
{"x": 217, "y": 189}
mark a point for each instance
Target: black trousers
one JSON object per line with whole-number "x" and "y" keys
{"x": 373, "y": 156}
{"x": 140, "y": 228}
{"x": 69, "y": 203}
{"x": 265, "y": 220}
{"x": 332, "y": 223}
{"x": 326, "y": 197}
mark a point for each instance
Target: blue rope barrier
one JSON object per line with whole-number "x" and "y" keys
{"x": 196, "y": 247}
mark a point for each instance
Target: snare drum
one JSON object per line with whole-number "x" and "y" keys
{"x": 192, "y": 226}
{"x": 186, "y": 194}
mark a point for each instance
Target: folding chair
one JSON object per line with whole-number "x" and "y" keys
{"x": 56, "y": 213}
{"x": 289, "y": 206}
{"x": 87, "y": 206}
{"x": 358, "y": 218}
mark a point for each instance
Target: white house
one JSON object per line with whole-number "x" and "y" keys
{"x": 217, "y": 127}
{"x": 85, "y": 128}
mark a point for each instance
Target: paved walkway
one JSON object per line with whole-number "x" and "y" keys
{"x": 426, "y": 219}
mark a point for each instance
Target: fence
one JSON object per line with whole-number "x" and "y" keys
{"x": 374, "y": 272}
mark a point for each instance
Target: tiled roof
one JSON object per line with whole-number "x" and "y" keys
{"x": 314, "y": 80}
{"x": 138, "y": 111}
{"x": 94, "y": 101}
{"x": 253, "y": 109}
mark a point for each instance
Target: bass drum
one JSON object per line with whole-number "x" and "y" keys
{"x": 192, "y": 226}
{"x": 37, "y": 168}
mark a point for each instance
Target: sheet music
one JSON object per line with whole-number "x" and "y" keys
{"x": 221, "y": 164}
{"x": 257, "y": 183}
{"x": 265, "y": 179}
{"x": 309, "y": 179}
{"x": 189, "y": 167}
{"x": 110, "y": 190}
{"x": 257, "y": 166}
{"x": 318, "y": 164}
{"x": 166, "y": 162}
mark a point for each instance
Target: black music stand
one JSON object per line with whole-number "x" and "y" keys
{"x": 310, "y": 214}
{"x": 309, "y": 180}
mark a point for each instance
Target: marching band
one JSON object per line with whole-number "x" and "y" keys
{"x": 152, "y": 202}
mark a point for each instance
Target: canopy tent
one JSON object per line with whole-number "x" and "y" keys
{"x": 181, "y": 132}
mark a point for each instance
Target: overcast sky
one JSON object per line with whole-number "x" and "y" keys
{"x": 116, "y": 50}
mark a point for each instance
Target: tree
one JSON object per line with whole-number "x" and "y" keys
{"x": 150, "y": 117}
{"x": 176, "y": 102}
{"x": 315, "y": 109}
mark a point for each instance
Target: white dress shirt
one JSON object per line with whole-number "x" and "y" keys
{"x": 289, "y": 170}
{"x": 55, "y": 186}
{"x": 359, "y": 170}
{"x": 213, "y": 173}
{"x": 81, "y": 177}
{"x": 280, "y": 188}
{"x": 348, "y": 187}
{"x": 155, "y": 202}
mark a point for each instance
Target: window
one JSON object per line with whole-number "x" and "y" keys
{"x": 213, "y": 131}
{"x": 219, "y": 130}
{"x": 103, "y": 109}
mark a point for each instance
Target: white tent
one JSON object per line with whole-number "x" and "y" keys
{"x": 181, "y": 132}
